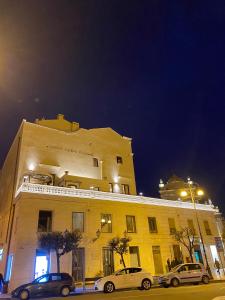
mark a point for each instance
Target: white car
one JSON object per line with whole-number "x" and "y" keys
{"x": 125, "y": 278}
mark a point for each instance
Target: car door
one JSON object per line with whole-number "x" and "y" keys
{"x": 121, "y": 279}
{"x": 183, "y": 273}
{"x": 135, "y": 277}
{"x": 195, "y": 272}
{"x": 55, "y": 283}
{"x": 41, "y": 286}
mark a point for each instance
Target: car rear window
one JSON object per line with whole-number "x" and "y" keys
{"x": 66, "y": 276}
{"x": 193, "y": 267}
{"x": 135, "y": 270}
{"x": 56, "y": 277}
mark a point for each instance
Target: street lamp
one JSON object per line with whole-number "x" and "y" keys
{"x": 193, "y": 192}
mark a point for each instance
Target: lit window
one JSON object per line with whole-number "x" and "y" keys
{"x": 106, "y": 223}
{"x": 119, "y": 159}
{"x": 95, "y": 162}
{"x": 191, "y": 226}
{"x": 207, "y": 228}
{"x": 152, "y": 225}
{"x": 125, "y": 189}
{"x": 45, "y": 221}
{"x": 172, "y": 226}
{"x": 111, "y": 187}
{"x": 1, "y": 254}
{"x": 131, "y": 225}
{"x": 78, "y": 221}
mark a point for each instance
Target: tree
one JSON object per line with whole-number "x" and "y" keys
{"x": 60, "y": 242}
{"x": 186, "y": 237}
{"x": 120, "y": 246}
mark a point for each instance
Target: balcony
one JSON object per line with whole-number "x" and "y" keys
{"x": 91, "y": 194}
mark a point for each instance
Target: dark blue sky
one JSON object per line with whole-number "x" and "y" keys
{"x": 151, "y": 70}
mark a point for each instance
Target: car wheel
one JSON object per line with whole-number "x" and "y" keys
{"x": 175, "y": 282}
{"x": 146, "y": 284}
{"x": 109, "y": 287}
{"x": 205, "y": 279}
{"x": 196, "y": 283}
{"x": 65, "y": 291}
{"x": 166, "y": 285}
{"x": 24, "y": 295}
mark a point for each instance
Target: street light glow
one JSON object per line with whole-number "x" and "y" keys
{"x": 183, "y": 193}
{"x": 200, "y": 193}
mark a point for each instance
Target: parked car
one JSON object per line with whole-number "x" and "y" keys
{"x": 185, "y": 273}
{"x": 46, "y": 285}
{"x": 125, "y": 278}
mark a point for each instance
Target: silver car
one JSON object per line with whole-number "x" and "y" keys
{"x": 185, "y": 273}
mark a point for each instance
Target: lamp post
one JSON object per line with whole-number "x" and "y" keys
{"x": 193, "y": 193}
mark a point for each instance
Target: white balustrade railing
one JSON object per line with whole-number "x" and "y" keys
{"x": 78, "y": 193}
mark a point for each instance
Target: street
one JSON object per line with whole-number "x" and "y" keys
{"x": 191, "y": 292}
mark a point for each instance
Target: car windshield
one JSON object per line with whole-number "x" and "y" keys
{"x": 175, "y": 268}
{"x": 120, "y": 272}
{"x": 42, "y": 278}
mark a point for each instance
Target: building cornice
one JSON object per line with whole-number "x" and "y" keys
{"x": 105, "y": 196}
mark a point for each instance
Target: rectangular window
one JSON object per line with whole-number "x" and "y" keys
{"x": 119, "y": 159}
{"x": 106, "y": 223}
{"x": 95, "y": 162}
{"x": 152, "y": 225}
{"x": 78, "y": 221}
{"x": 191, "y": 226}
{"x": 134, "y": 256}
{"x": 207, "y": 228}
{"x": 1, "y": 254}
{"x": 125, "y": 189}
{"x": 131, "y": 226}
{"x": 45, "y": 221}
{"x": 9, "y": 267}
{"x": 172, "y": 226}
{"x": 111, "y": 187}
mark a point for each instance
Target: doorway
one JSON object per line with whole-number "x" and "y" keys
{"x": 9, "y": 267}
{"x": 41, "y": 263}
{"x": 157, "y": 259}
{"x": 78, "y": 264}
{"x": 108, "y": 262}
{"x": 198, "y": 254}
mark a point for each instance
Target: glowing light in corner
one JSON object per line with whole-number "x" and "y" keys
{"x": 140, "y": 194}
{"x": 183, "y": 193}
{"x": 31, "y": 166}
{"x": 116, "y": 179}
{"x": 200, "y": 193}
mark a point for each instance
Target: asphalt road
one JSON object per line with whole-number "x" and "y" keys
{"x": 191, "y": 292}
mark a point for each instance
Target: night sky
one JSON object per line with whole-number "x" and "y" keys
{"x": 152, "y": 70}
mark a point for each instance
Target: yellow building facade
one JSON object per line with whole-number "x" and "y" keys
{"x": 59, "y": 176}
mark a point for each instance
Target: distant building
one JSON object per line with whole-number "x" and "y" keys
{"x": 58, "y": 176}
{"x": 175, "y": 185}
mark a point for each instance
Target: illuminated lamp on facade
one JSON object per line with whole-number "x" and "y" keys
{"x": 31, "y": 166}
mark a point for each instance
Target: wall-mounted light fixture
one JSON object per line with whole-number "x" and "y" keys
{"x": 98, "y": 233}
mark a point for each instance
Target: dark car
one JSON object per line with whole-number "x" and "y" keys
{"x": 46, "y": 285}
